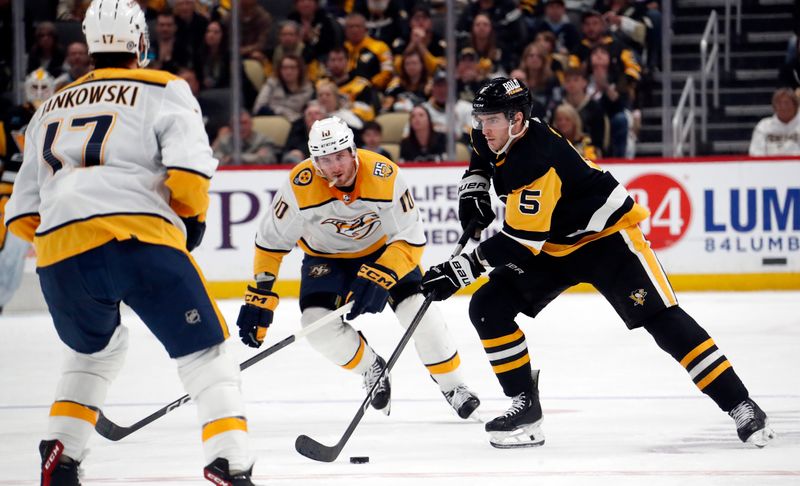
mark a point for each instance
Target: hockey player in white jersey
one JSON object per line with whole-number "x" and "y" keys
{"x": 113, "y": 192}
{"x": 39, "y": 86}
{"x": 352, "y": 214}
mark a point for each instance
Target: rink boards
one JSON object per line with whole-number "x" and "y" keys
{"x": 716, "y": 223}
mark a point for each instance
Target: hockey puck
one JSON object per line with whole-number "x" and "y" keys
{"x": 359, "y": 459}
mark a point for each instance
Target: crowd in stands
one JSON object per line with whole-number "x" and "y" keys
{"x": 586, "y": 62}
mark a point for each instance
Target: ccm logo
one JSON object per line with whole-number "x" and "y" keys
{"x": 257, "y": 299}
{"x": 53, "y": 457}
{"x": 378, "y": 278}
{"x": 216, "y": 479}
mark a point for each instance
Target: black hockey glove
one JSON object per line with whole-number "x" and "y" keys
{"x": 255, "y": 315}
{"x": 370, "y": 289}
{"x": 195, "y": 229}
{"x": 444, "y": 279}
{"x": 474, "y": 201}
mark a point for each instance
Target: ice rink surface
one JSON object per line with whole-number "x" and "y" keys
{"x": 617, "y": 409}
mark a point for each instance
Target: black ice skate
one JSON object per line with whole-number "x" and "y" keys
{"x": 463, "y": 400}
{"x": 383, "y": 394}
{"x": 520, "y": 425}
{"x": 752, "y": 423}
{"x": 55, "y": 472}
{"x": 218, "y": 473}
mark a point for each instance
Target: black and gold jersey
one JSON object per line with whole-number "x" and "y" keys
{"x": 556, "y": 201}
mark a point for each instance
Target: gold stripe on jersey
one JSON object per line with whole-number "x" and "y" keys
{"x": 6, "y": 188}
{"x": 24, "y": 226}
{"x": 3, "y": 143}
{"x": 631, "y": 218}
{"x": 357, "y": 357}
{"x": 449, "y": 365}
{"x": 529, "y": 210}
{"x": 73, "y": 410}
{"x": 641, "y": 247}
{"x": 507, "y": 352}
{"x": 402, "y": 257}
{"x": 83, "y": 235}
{"x": 219, "y": 426}
{"x": 150, "y": 76}
{"x": 222, "y": 324}
{"x": 3, "y": 229}
{"x": 268, "y": 260}
{"x": 189, "y": 192}
{"x": 355, "y": 254}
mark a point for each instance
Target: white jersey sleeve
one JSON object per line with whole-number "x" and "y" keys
{"x": 282, "y": 226}
{"x": 180, "y": 132}
{"x": 401, "y": 219}
{"x": 24, "y": 205}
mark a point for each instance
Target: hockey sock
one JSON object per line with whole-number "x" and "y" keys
{"x": 503, "y": 341}
{"x": 433, "y": 342}
{"x": 677, "y": 333}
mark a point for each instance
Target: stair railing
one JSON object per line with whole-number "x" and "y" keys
{"x": 683, "y": 122}
{"x": 709, "y": 67}
{"x": 729, "y": 5}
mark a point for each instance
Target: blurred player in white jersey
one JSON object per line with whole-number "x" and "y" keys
{"x": 352, "y": 214}
{"x": 113, "y": 192}
{"x": 39, "y": 86}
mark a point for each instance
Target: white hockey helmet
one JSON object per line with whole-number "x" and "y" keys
{"x": 39, "y": 85}
{"x": 328, "y": 136}
{"x": 117, "y": 26}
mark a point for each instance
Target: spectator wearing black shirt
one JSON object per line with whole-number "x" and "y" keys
{"x": 191, "y": 26}
{"x": 166, "y": 52}
{"x": 46, "y": 53}
{"x": 423, "y": 143}
{"x": 296, "y": 148}
{"x": 387, "y": 20}
{"x": 320, "y": 32}
{"x": 212, "y": 61}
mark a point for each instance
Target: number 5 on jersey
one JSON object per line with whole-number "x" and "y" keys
{"x": 99, "y": 125}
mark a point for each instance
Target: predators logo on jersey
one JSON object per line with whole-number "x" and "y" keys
{"x": 357, "y": 228}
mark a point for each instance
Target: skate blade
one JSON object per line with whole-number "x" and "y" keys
{"x": 761, "y": 438}
{"x": 528, "y": 436}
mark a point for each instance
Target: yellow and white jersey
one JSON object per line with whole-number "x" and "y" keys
{"x": 327, "y": 222}
{"x": 118, "y": 154}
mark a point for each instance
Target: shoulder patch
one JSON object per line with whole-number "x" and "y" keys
{"x": 382, "y": 169}
{"x": 304, "y": 177}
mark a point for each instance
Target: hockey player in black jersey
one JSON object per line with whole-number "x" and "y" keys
{"x": 567, "y": 221}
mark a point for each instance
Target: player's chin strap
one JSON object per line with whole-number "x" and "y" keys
{"x": 511, "y": 137}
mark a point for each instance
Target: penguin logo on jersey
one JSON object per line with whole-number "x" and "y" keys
{"x": 357, "y": 228}
{"x": 383, "y": 170}
{"x": 637, "y": 296}
{"x": 303, "y": 178}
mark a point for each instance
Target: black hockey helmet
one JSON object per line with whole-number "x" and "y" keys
{"x": 503, "y": 95}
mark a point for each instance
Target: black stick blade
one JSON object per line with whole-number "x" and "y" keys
{"x": 109, "y": 429}
{"x": 312, "y": 449}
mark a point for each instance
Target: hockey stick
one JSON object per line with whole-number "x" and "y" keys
{"x": 312, "y": 449}
{"x": 112, "y": 431}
